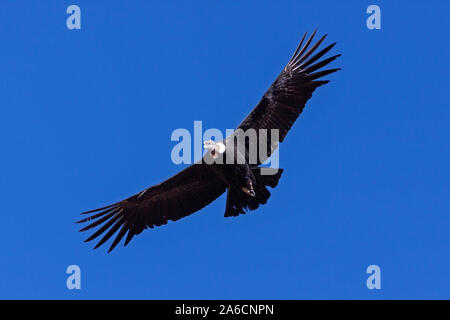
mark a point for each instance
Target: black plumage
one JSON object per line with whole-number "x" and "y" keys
{"x": 200, "y": 184}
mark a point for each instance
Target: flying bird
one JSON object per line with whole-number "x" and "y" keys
{"x": 203, "y": 182}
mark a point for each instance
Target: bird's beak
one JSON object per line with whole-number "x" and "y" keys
{"x": 215, "y": 148}
{"x": 208, "y": 145}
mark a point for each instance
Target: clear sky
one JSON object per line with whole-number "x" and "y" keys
{"x": 86, "y": 119}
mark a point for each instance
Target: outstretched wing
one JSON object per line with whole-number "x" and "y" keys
{"x": 284, "y": 101}
{"x": 185, "y": 193}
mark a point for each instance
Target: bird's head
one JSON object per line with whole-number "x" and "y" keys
{"x": 214, "y": 148}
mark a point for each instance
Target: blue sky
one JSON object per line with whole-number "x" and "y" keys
{"x": 87, "y": 117}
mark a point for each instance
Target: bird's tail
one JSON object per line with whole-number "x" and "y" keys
{"x": 239, "y": 202}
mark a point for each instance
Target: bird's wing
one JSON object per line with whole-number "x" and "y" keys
{"x": 185, "y": 193}
{"x": 284, "y": 101}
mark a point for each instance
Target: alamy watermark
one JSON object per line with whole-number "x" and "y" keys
{"x": 74, "y": 20}
{"x": 73, "y": 281}
{"x": 235, "y": 147}
{"x": 374, "y": 280}
{"x": 374, "y": 20}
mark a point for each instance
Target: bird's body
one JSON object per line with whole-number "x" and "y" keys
{"x": 232, "y": 165}
{"x": 234, "y": 171}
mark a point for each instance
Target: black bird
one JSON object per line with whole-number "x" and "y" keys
{"x": 200, "y": 184}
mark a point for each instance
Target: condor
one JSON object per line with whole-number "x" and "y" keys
{"x": 200, "y": 184}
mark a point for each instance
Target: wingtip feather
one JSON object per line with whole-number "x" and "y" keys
{"x": 99, "y": 209}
